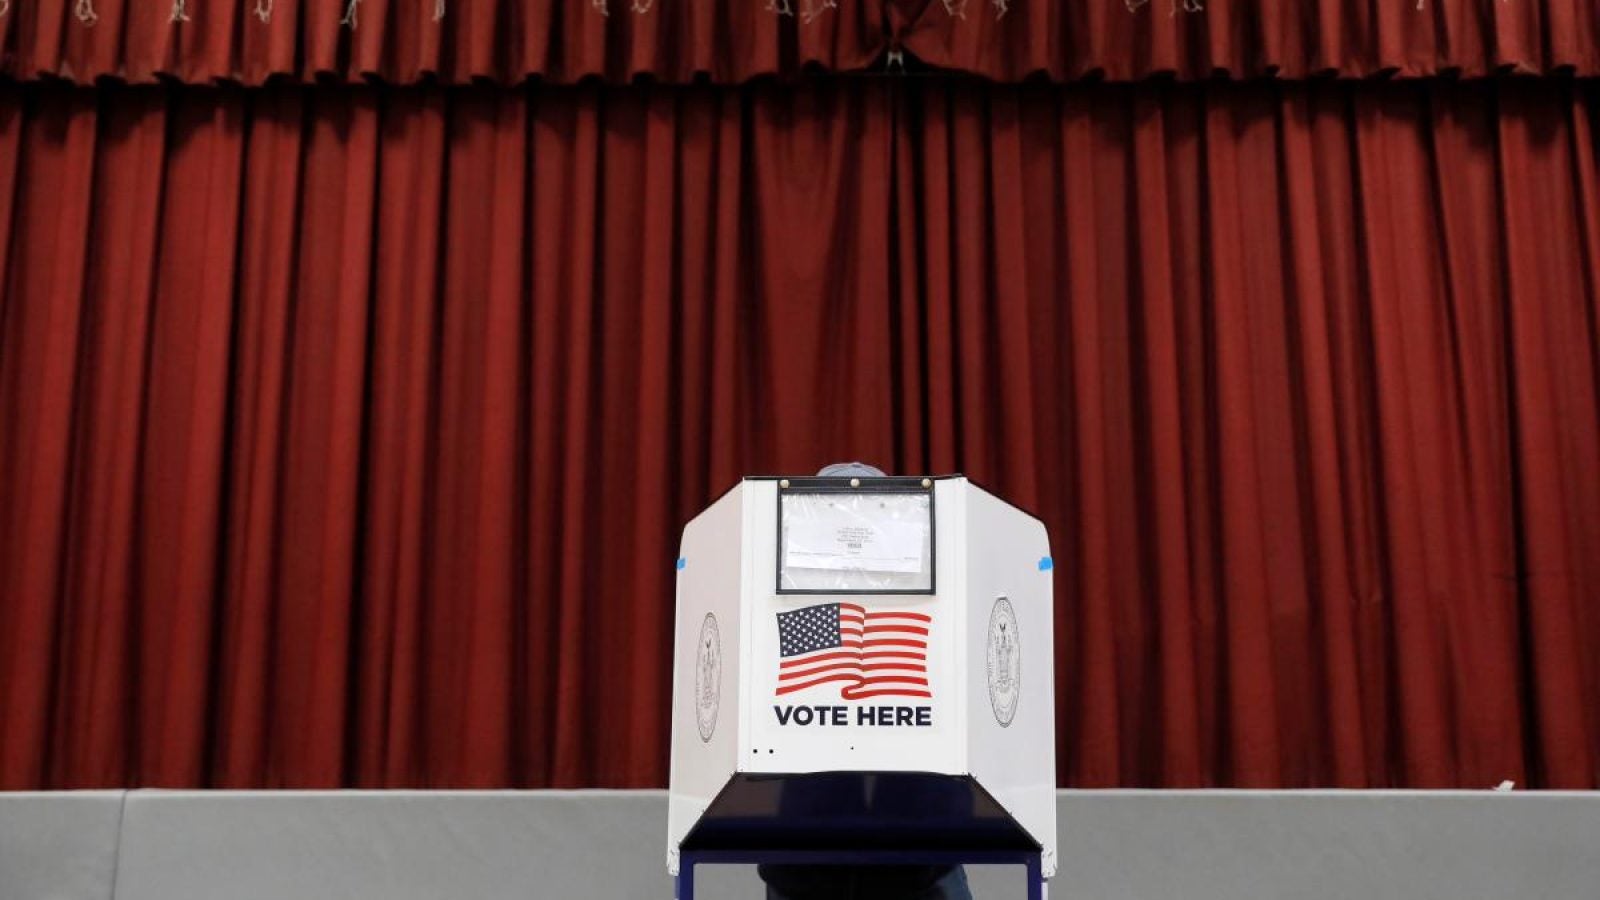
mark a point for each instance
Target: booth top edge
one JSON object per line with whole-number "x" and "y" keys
{"x": 890, "y": 482}
{"x": 869, "y": 482}
{"x": 861, "y": 482}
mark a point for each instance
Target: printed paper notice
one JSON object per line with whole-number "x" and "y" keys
{"x": 854, "y": 545}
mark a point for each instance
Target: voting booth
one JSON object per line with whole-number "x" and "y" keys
{"x": 863, "y": 674}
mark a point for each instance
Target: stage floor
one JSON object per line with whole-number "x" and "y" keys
{"x": 1115, "y": 845}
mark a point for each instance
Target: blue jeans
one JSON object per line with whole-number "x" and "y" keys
{"x": 865, "y": 883}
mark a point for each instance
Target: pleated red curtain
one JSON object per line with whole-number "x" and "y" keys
{"x": 399, "y": 41}
{"x": 1200, "y": 39}
{"x": 725, "y": 41}
{"x": 345, "y": 432}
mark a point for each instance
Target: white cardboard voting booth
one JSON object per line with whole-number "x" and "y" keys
{"x": 863, "y": 673}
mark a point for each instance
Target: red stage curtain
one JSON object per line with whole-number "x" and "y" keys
{"x": 1069, "y": 39}
{"x": 346, "y": 432}
{"x": 402, "y": 41}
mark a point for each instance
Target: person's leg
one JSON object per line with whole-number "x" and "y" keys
{"x": 813, "y": 882}
{"x": 879, "y": 883}
{"x": 952, "y": 886}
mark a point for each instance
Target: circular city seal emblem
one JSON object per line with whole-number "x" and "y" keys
{"x": 1005, "y": 662}
{"x": 707, "y": 677}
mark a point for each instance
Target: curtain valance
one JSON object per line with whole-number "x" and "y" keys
{"x": 728, "y": 41}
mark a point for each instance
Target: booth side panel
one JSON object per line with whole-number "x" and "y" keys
{"x": 1011, "y": 664}
{"x": 706, "y": 669}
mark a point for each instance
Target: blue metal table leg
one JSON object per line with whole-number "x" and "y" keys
{"x": 686, "y": 876}
{"x": 1035, "y": 877}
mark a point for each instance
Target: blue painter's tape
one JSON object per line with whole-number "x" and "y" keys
{"x": 1046, "y": 564}
{"x": 681, "y": 563}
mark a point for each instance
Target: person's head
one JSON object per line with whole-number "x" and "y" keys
{"x": 851, "y": 470}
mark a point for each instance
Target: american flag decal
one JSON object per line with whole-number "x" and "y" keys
{"x": 877, "y": 653}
